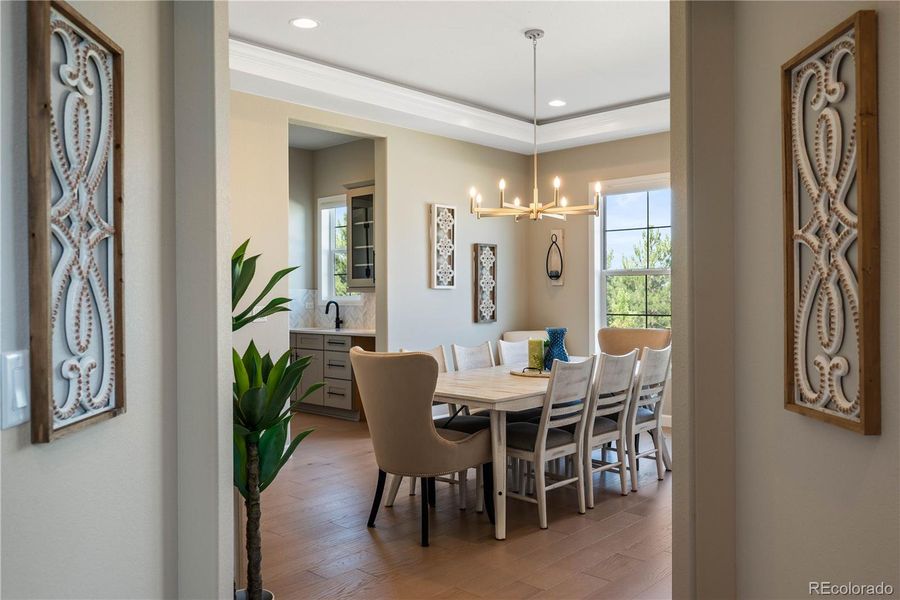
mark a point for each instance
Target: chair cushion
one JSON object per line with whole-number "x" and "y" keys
{"x": 520, "y": 416}
{"x": 464, "y": 423}
{"x": 643, "y": 415}
{"x": 523, "y": 436}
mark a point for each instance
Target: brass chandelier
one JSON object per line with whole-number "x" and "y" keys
{"x": 559, "y": 207}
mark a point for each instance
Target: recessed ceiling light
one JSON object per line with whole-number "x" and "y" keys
{"x": 557, "y": 103}
{"x": 304, "y": 23}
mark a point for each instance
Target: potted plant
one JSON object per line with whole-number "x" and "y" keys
{"x": 261, "y": 411}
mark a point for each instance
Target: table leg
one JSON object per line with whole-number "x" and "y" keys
{"x": 498, "y": 445}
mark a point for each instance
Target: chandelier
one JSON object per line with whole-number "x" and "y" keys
{"x": 557, "y": 208}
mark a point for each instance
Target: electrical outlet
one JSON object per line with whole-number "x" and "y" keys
{"x": 16, "y": 384}
{"x": 310, "y": 305}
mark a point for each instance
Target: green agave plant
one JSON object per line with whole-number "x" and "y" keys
{"x": 261, "y": 412}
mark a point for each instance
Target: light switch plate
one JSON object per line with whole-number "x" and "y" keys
{"x": 15, "y": 381}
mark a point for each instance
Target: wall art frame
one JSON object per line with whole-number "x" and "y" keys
{"x": 485, "y": 284}
{"x": 75, "y": 185}
{"x": 443, "y": 246}
{"x": 831, "y": 228}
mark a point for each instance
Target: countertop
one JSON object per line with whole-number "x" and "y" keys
{"x": 342, "y": 331}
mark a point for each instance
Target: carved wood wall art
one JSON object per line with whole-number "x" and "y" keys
{"x": 831, "y": 210}
{"x": 75, "y": 218}
{"x": 443, "y": 246}
{"x": 485, "y": 289}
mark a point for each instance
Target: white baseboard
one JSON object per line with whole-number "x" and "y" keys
{"x": 667, "y": 421}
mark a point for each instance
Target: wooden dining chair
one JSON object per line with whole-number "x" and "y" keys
{"x": 513, "y": 353}
{"x": 607, "y": 421}
{"x": 475, "y": 357}
{"x": 622, "y": 340}
{"x": 460, "y": 422}
{"x": 645, "y": 409}
{"x": 565, "y": 404}
{"x": 396, "y": 390}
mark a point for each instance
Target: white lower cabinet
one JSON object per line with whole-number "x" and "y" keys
{"x": 338, "y": 394}
{"x": 314, "y": 373}
{"x": 330, "y": 364}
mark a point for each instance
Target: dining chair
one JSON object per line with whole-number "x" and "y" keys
{"x": 459, "y": 422}
{"x": 645, "y": 409}
{"x": 518, "y": 336}
{"x": 622, "y": 340}
{"x": 606, "y": 420}
{"x": 565, "y": 403}
{"x": 513, "y": 353}
{"x": 619, "y": 341}
{"x": 396, "y": 390}
{"x": 475, "y": 357}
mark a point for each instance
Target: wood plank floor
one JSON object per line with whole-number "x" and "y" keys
{"x": 316, "y": 543}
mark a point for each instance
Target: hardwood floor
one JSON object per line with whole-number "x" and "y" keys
{"x": 316, "y": 543}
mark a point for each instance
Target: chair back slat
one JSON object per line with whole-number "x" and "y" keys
{"x": 475, "y": 357}
{"x": 568, "y": 393}
{"x": 613, "y": 386}
{"x": 439, "y": 354}
{"x": 651, "y": 386}
{"x": 513, "y": 353}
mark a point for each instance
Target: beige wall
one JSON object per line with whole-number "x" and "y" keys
{"x": 412, "y": 170}
{"x": 302, "y": 219}
{"x": 568, "y": 305}
{"x": 338, "y": 166}
{"x": 260, "y": 211}
{"x": 94, "y": 515}
{"x": 813, "y": 501}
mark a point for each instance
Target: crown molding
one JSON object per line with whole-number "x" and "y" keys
{"x": 265, "y": 72}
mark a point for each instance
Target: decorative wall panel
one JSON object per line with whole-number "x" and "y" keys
{"x": 443, "y": 246}
{"x": 831, "y": 206}
{"x": 485, "y": 288}
{"x": 75, "y": 213}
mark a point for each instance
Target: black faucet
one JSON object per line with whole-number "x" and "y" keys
{"x": 337, "y": 313}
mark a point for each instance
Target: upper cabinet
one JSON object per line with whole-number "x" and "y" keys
{"x": 361, "y": 237}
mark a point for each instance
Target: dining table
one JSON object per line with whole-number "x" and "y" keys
{"x": 497, "y": 390}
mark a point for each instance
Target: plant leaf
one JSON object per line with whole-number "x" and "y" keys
{"x": 268, "y": 288}
{"x": 242, "y": 281}
{"x": 239, "y": 253}
{"x": 253, "y": 406}
{"x": 287, "y": 454}
{"x": 271, "y": 447}
{"x": 241, "y": 379}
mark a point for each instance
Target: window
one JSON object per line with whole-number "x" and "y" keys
{"x": 333, "y": 250}
{"x": 636, "y": 241}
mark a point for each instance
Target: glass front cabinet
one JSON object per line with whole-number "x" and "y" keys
{"x": 361, "y": 240}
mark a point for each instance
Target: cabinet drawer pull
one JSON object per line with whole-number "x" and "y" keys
{"x": 338, "y": 364}
{"x": 336, "y": 343}
{"x": 334, "y": 393}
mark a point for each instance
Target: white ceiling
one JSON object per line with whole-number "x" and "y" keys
{"x": 595, "y": 55}
{"x": 310, "y": 138}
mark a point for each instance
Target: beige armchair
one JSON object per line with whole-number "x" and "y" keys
{"x": 396, "y": 390}
{"x": 619, "y": 341}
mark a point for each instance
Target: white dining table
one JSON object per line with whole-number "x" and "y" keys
{"x": 500, "y": 392}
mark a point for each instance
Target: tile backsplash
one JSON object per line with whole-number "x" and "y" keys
{"x": 355, "y": 316}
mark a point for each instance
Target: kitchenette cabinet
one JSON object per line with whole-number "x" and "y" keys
{"x": 330, "y": 352}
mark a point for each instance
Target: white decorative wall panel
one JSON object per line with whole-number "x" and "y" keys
{"x": 443, "y": 246}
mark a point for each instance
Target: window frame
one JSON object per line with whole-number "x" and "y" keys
{"x": 325, "y": 252}
{"x": 617, "y": 187}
